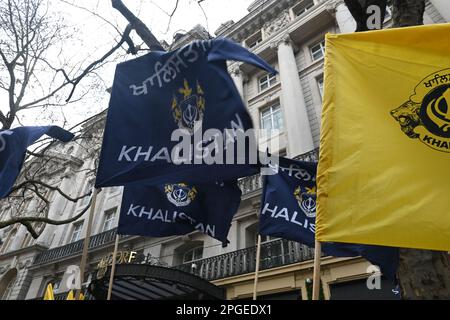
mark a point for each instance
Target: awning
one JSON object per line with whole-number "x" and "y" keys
{"x": 147, "y": 282}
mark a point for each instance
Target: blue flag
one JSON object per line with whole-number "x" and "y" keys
{"x": 162, "y": 102}
{"x": 13, "y": 146}
{"x": 177, "y": 209}
{"x": 288, "y": 211}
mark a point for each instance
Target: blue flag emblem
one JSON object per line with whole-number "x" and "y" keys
{"x": 288, "y": 211}
{"x": 180, "y": 194}
{"x": 13, "y": 146}
{"x": 179, "y": 208}
{"x": 162, "y": 102}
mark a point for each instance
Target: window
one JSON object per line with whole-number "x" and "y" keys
{"x": 193, "y": 255}
{"x": 254, "y": 40}
{"x": 88, "y": 188}
{"x": 6, "y": 245}
{"x": 254, "y": 43}
{"x": 318, "y": 50}
{"x": 8, "y": 288}
{"x": 303, "y": 7}
{"x": 272, "y": 118}
{"x": 76, "y": 233}
{"x": 320, "y": 85}
{"x": 110, "y": 216}
{"x": 267, "y": 81}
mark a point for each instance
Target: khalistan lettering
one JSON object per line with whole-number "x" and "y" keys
{"x": 168, "y": 216}
{"x": 276, "y": 212}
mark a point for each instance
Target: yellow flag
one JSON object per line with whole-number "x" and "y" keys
{"x": 70, "y": 295}
{"x": 81, "y": 296}
{"x": 384, "y": 170}
{"x": 49, "y": 293}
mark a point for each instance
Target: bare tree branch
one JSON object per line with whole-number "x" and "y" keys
{"x": 141, "y": 29}
{"x": 26, "y": 221}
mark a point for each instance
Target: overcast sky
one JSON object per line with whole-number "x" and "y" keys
{"x": 92, "y": 37}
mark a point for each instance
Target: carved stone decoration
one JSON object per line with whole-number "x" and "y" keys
{"x": 236, "y": 71}
{"x": 280, "y": 22}
{"x": 285, "y": 39}
{"x": 4, "y": 269}
{"x": 23, "y": 264}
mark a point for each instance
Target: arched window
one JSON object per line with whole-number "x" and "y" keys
{"x": 7, "y": 284}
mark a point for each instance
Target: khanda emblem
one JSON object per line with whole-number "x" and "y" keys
{"x": 188, "y": 109}
{"x": 437, "y": 109}
{"x": 426, "y": 115}
{"x": 180, "y": 194}
{"x": 306, "y": 198}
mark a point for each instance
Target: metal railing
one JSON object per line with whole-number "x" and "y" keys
{"x": 274, "y": 254}
{"x": 76, "y": 247}
{"x": 253, "y": 183}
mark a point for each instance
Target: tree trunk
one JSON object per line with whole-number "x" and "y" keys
{"x": 408, "y": 13}
{"x": 422, "y": 274}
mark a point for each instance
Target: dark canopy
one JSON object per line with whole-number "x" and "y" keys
{"x": 147, "y": 282}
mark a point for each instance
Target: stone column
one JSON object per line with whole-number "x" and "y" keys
{"x": 238, "y": 78}
{"x": 344, "y": 18}
{"x": 296, "y": 122}
{"x": 443, "y": 6}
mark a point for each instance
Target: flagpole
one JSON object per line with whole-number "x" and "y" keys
{"x": 113, "y": 268}
{"x": 316, "y": 276}
{"x": 258, "y": 255}
{"x": 86, "y": 243}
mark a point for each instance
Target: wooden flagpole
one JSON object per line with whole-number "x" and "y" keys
{"x": 86, "y": 243}
{"x": 258, "y": 256}
{"x": 113, "y": 268}
{"x": 316, "y": 277}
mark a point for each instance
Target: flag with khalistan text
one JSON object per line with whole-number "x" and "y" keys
{"x": 288, "y": 211}
{"x": 383, "y": 175}
{"x": 175, "y": 116}
{"x": 13, "y": 146}
{"x": 178, "y": 209}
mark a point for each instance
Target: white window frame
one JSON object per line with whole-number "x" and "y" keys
{"x": 304, "y": 7}
{"x": 254, "y": 40}
{"x": 110, "y": 218}
{"x": 318, "y": 47}
{"x": 320, "y": 86}
{"x": 77, "y": 231}
{"x": 273, "y": 109}
{"x": 267, "y": 81}
{"x": 192, "y": 252}
{"x": 254, "y": 43}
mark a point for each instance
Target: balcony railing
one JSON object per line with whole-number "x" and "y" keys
{"x": 75, "y": 247}
{"x": 273, "y": 254}
{"x": 254, "y": 183}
